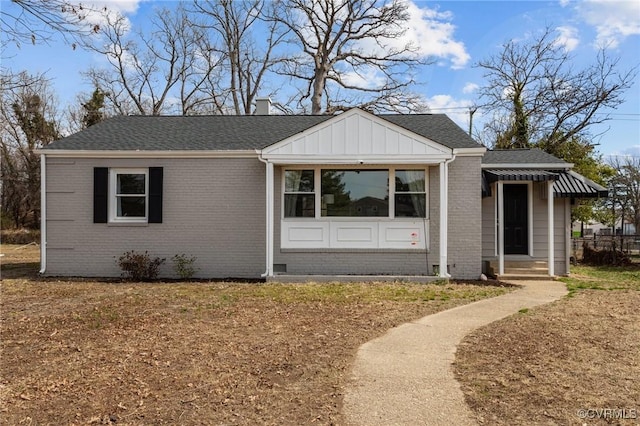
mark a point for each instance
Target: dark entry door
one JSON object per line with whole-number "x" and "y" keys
{"x": 516, "y": 229}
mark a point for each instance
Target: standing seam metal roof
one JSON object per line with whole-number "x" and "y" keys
{"x": 567, "y": 184}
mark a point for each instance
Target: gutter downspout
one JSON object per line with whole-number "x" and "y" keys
{"x": 43, "y": 214}
{"x": 444, "y": 216}
{"x": 269, "y": 217}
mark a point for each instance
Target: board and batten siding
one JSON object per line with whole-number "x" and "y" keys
{"x": 213, "y": 209}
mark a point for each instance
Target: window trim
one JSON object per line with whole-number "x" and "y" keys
{"x": 318, "y": 190}
{"x": 426, "y": 190}
{"x": 285, "y": 192}
{"x": 113, "y": 197}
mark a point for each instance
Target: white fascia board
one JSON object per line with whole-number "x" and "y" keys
{"x": 354, "y": 159}
{"x": 146, "y": 154}
{"x": 547, "y": 166}
{"x": 469, "y": 152}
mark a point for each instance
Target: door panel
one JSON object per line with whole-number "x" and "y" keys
{"x": 516, "y": 215}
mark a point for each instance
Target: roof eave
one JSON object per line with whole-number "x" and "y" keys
{"x": 546, "y": 166}
{"x": 469, "y": 152}
{"x": 77, "y": 153}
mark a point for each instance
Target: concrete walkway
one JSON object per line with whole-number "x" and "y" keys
{"x": 406, "y": 378}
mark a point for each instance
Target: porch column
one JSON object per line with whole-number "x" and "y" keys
{"x": 444, "y": 218}
{"x": 500, "y": 241}
{"x": 568, "y": 228}
{"x": 270, "y": 219}
{"x": 551, "y": 226}
{"x": 43, "y": 213}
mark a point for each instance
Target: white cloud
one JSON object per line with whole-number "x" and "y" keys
{"x": 99, "y": 12}
{"x": 365, "y": 78}
{"x": 122, "y": 6}
{"x": 470, "y": 88}
{"x": 568, "y": 38}
{"x": 633, "y": 151}
{"x": 456, "y": 109}
{"x": 431, "y": 33}
{"x": 613, "y": 20}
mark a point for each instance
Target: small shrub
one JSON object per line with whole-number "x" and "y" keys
{"x": 139, "y": 266}
{"x": 183, "y": 265}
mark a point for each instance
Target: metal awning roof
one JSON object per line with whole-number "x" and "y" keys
{"x": 568, "y": 184}
{"x": 573, "y": 185}
{"x": 494, "y": 175}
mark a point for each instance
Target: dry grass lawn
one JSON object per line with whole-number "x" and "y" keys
{"x": 90, "y": 352}
{"x": 561, "y": 364}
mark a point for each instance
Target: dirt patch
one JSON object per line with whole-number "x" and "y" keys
{"x": 86, "y": 352}
{"x": 564, "y": 363}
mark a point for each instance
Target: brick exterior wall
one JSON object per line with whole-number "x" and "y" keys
{"x": 213, "y": 209}
{"x": 465, "y": 218}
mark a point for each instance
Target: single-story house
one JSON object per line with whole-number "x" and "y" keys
{"x": 277, "y": 196}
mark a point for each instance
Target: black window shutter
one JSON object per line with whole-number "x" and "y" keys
{"x": 155, "y": 194}
{"x": 100, "y": 194}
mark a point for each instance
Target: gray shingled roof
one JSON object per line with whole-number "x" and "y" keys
{"x": 520, "y": 156}
{"x": 233, "y": 132}
{"x": 437, "y": 127}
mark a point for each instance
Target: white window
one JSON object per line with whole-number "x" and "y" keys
{"x": 368, "y": 207}
{"x": 299, "y": 193}
{"x": 350, "y": 193}
{"x": 128, "y": 195}
{"x": 410, "y": 194}
{"x": 355, "y": 193}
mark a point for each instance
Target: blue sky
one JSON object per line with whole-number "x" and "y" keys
{"x": 457, "y": 33}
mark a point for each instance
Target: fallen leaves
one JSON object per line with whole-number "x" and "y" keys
{"x": 577, "y": 353}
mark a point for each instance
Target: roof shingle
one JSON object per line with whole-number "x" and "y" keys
{"x": 233, "y": 132}
{"x": 520, "y": 156}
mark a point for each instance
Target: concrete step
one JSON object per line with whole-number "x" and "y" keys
{"x": 526, "y": 270}
{"x": 521, "y": 269}
{"x": 524, "y": 264}
{"x": 525, "y": 277}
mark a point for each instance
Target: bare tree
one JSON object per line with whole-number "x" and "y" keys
{"x": 625, "y": 189}
{"x": 247, "y": 61}
{"x": 349, "y": 57}
{"x": 160, "y": 72}
{"x": 36, "y": 21}
{"x": 28, "y": 121}
{"x": 547, "y": 101}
